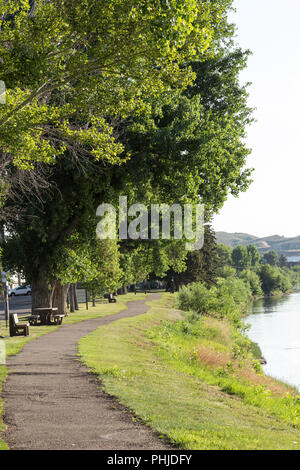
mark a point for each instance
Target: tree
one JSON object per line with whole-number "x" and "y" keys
{"x": 274, "y": 280}
{"x": 105, "y": 260}
{"x": 283, "y": 261}
{"x": 200, "y": 265}
{"x": 182, "y": 148}
{"x": 271, "y": 258}
{"x": 254, "y": 255}
{"x": 74, "y": 67}
{"x": 141, "y": 260}
{"x": 224, "y": 254}
{"x": 226, "y": 272}
{"x": 253, "y": 281}
{"x": 240, "y": 257}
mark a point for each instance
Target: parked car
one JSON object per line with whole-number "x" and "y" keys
{"x": 21, "y": 290}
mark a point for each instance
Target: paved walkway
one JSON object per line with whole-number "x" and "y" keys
{"x": 52, "y": 402}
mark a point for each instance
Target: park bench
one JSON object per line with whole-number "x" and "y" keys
{"x": 57, "y": 319}
{"x": 111, "y": 299}
{"x": 35, "y": 319}
{"x": 16, "y": 328}
{"x": 48, "y": 316}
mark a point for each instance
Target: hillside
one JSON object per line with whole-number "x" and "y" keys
{"x": 290, "y": 247}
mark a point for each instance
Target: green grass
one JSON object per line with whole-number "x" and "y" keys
{"x": 14, "y": 345}
{"x": 151, "y": 363}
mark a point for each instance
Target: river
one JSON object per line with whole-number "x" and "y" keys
{"x": 275, "y": 326}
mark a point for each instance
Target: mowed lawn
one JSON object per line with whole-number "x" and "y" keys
{"x": 181, "y": 399}
{"x": 14, "y": 345}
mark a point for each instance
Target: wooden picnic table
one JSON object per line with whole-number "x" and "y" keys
{"x": 45, "y": 314}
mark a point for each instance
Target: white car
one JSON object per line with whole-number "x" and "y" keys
{"x": 21, "y": 290}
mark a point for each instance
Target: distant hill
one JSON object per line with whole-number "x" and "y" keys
{"x": 289, "y": 247}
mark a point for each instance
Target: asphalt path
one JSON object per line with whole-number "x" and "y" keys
{"x": 51, "y": 401}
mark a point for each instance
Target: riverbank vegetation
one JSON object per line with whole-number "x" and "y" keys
{"x": 263, "y": 275}
{"x": 195, "y": 379}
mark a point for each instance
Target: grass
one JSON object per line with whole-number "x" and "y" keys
{"x": 15, "y": 344}
{"x": 171, "y": 373}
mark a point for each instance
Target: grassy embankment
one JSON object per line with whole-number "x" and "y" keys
{"x": 15, "y": 344}
{"x": 192, "y": 382}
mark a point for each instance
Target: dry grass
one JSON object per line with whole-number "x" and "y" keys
{"x": 250, "y": 375}
{"x": 212, "y": 358}
{"x": 216, "y": 359}
{"x": 222, "y": 327}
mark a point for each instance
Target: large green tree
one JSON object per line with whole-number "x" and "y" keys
{"x": 199, "y": 266}
{"x": 184, "y": 147}
{"x": 240, "y": 257}
{"x": 271, "y": 258}
{"x": 72, "y": 66}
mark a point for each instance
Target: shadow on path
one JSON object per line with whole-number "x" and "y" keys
{"x": 51, "y": 401}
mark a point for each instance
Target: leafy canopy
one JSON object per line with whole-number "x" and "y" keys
{"x": 85, "y": 61}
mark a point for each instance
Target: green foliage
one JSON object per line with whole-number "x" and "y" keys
{"x": 252, "y": 279}
{"x": 224, "y": 254}
{"x": 227, "y": 299}
{"x": 226, "y": 272}
{"x": 261, "y": 274}
{"x": 88, "y": 59}
{"x": 150, "y": 363}
{"x": 274, "y": 280}
{"x": 254, "y": 255}
{"x": 294, "y": 273}
{"x": 241, "y": 258}
{"x": 199, "y": 266}
{"x": 94, "y": 263}
{"x": 121, "y": 103}
{"x": 282, "y": 261}
{"x": 271, "y": 258}
{"x": 176, "y": 143}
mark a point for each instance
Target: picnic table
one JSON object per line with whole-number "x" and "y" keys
{"x": 46, "y": 314}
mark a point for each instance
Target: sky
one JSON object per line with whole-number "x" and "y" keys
{"x": 271, "y": 30}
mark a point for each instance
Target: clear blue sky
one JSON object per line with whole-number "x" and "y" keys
{"x": 271, "y": 29}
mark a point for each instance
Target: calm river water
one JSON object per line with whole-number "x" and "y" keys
{"x": 275, "y": 326}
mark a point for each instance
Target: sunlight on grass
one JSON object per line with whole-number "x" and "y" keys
{"x": 15, "y": 344}
{"x": 148, "y": 363}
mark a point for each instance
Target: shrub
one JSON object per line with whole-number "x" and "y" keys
{"x": 274, "y": 279}
{"x": 226, "y": 272}
{"x": 252, "y": 279}
{"x": 227, "y": 298}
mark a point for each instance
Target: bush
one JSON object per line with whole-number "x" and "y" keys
{"x": 226, "y": 272}
{"x": 274, "y": 279}
{"x": 252, "y": 279}
{"x": 228, "y": 297}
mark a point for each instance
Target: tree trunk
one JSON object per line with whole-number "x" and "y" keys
{"x": 41, "y": 292}
{"x": 75, "y": 298}
{"x": 86, "y": 300}
{"x": 122, "y": 290}
{"x": 60, "y": 298}
{"x": 72, "y": 300}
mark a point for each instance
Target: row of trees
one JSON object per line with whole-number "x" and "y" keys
{"x": 266, "y": 274}
{"x": 136, "y": 98}
{"x": 242, "y": 257}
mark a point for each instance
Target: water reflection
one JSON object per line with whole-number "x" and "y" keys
{"x": 275, "y": 326}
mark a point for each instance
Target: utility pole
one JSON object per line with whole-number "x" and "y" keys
{"x": 5, "y": 300}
